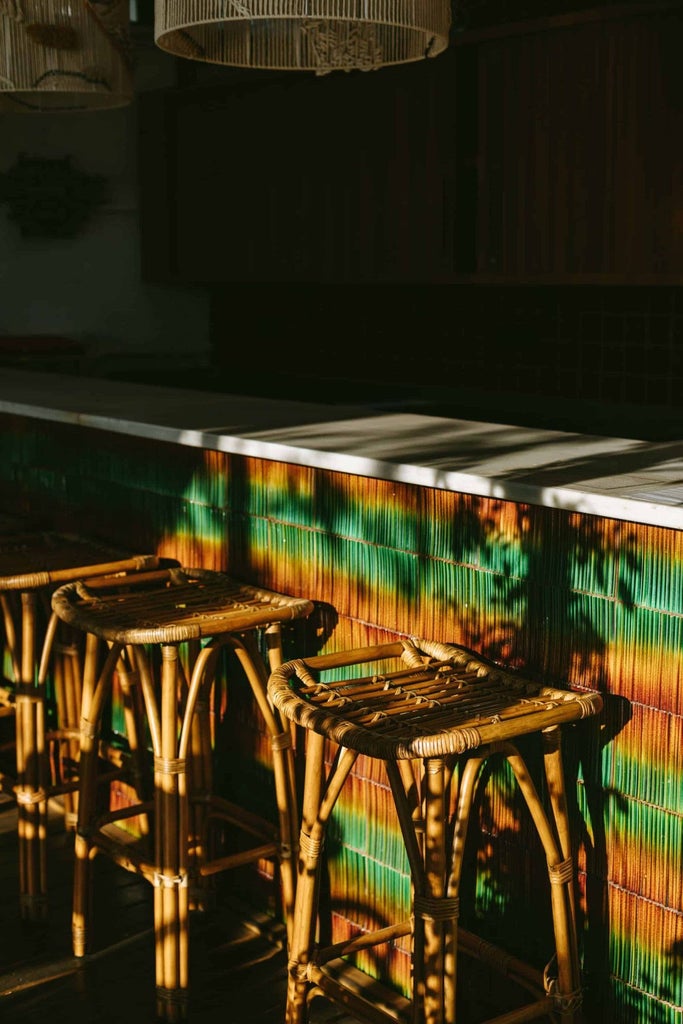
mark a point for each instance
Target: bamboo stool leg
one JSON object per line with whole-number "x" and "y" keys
{"x": 68, "y": 706}
{"x": 9, "y": 666}
{"x": 96, "y": 689}
{"x": 431, "y": 910}
{"x": 200, "y": 773}
{"x": 61, "y": 653}
{"x": 318, "y": 803}
{"x": 31, "y": 770}
{"x": 461, "y": 819}
{"x": 128, "y": 678}
{"x": 562, "y": 883}
{"x": 565, "y": 990}
{"x": 285, "y": 779}
{"x": 171, "y": 909}
{"x": 282, "y": 758}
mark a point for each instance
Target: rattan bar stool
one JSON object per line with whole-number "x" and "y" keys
{"x": 174, "y": 633}
{"x": 426, "y": 709}
{"x": 39, "y": 655}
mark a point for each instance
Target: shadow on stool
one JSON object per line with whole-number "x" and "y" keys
{"x": 433, "y": 714}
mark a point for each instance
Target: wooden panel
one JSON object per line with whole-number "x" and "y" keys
{"x": 546, "y": 151}
{"x": 156, "y": 176}
{"x": 581, "y": 150}
{"x": 334, "y": 179}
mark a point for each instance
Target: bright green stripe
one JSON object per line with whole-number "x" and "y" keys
{"x": 350, "y": 513}
{"x": 625, "y": 1003}
{"x": 647, "y": 629}
{"x": 647, "y": 775}
{"x": 648, "y": 963}
{"x": 652, "y": 575}
{"x": 369, "y": 897}
{"x": 456, "y": 535}
{"x": 450, "y": 586}
{"x": 498, "y": 554}
{"x": 368, "y": 891}
{"x": 203, "y": 521}
{"x": 469, "y": 606}
{"x": 652, "y": 642}
{"x": 639, "y": 629}
{"x": 264, "y": 494}
{"x": 352, "y": 827}
{"x": 650, "y": 841}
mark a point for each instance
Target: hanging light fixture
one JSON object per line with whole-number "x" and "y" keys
{"x": 303, "y": 35}
{"x": 64, "y": 55}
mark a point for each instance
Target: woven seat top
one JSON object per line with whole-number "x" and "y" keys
{"x": 443, "y": 699}
{"x": 186, "y": 604}
{"x": 39, "y": 558}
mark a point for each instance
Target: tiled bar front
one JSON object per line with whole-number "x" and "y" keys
{"x": 575, "y": 599}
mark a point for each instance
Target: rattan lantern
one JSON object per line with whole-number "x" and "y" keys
{"x": 303, "y": 35}
{"x": 64, "y": 55}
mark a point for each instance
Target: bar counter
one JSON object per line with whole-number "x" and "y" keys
{"x": 553, "y": 552}
{"x": 634, "y": 480}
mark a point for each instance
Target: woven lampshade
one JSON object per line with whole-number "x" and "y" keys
{"x": 303, "y": 35}
{"x": 64, "y": 55}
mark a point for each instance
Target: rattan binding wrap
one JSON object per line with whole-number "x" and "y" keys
{"x": 316, "y": 35}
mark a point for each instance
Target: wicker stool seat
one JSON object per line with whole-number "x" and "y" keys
{"x": 174, "y": 631}
{"x": 32, "y": 565}
{"x": 425, "y": 709}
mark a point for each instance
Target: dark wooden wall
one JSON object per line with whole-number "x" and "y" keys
{"x": 580, "y": 148}
{"x": 499, "y": 229}
{"x": 549, "y": 150}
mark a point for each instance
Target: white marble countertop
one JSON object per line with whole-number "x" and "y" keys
{"x": 633, "y": 480}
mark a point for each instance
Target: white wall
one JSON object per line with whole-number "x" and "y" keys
{"x": 88, "y": 288}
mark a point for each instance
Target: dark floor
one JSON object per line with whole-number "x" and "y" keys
{"x": 237, "y": 965}
{"x": 237, "y": 970}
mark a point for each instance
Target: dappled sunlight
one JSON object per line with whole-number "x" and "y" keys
{"x": 564, "y": 595}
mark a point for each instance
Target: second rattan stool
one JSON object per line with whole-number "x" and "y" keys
{"x": 32, "y": 566}
{"x": 179, "y": 628}
{"x": 433, "y": 707}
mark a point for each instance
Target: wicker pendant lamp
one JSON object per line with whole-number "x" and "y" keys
{"x": 303, "y": 35}
{"x": 64, "y": 55}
